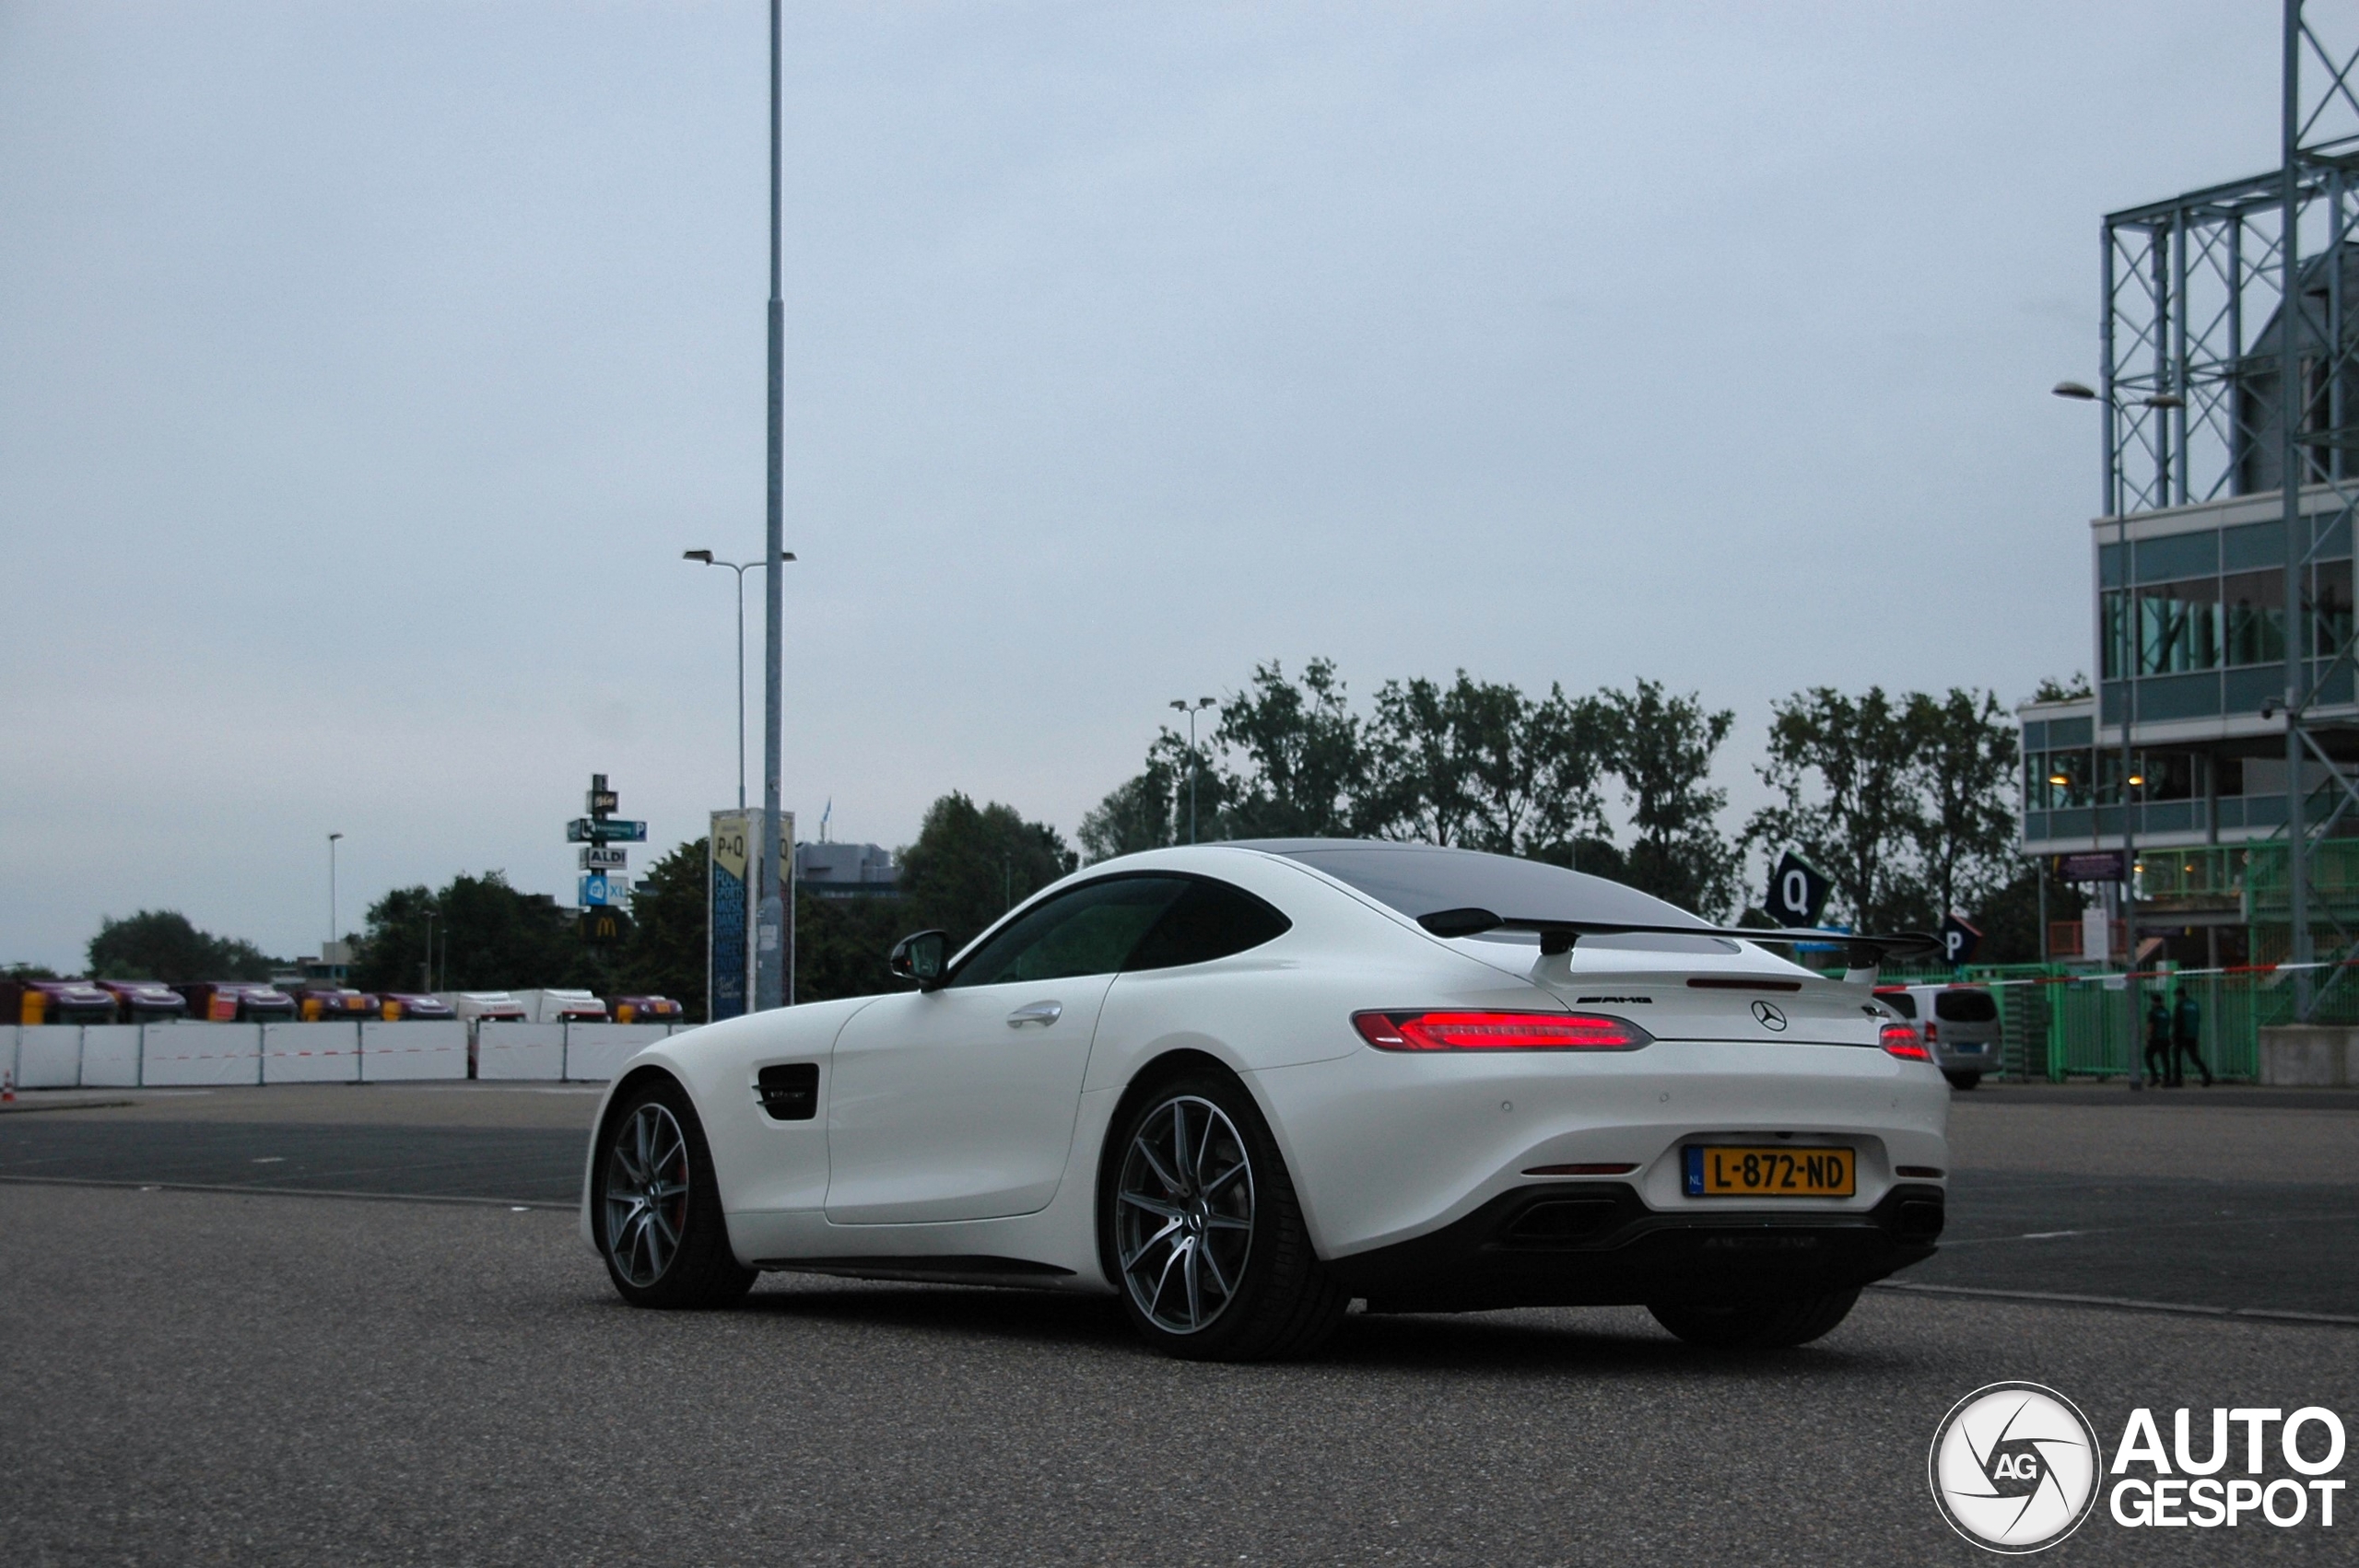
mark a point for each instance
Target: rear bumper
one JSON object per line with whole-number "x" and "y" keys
{"x": 1596, "y": 1244}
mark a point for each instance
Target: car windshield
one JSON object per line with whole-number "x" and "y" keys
{"x": 1424, "y": 879}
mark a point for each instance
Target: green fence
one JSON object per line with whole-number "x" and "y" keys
{"x": 2060, "y": 1023}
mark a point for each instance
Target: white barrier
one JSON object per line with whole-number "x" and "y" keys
{"x": 596, "y": 1052}
{"x": 408, "y": 1051}
{"x": 311, "y": 1053}
{"x": 208, "y": 1054}
{"x": 49, "y": 1056}
{"x": 111, "y": 1056}
{"x": 519, "y": 1050}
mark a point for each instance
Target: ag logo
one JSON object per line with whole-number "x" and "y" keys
{"x": 2014, "y": 1467}
{"x": 1769, "y": 1014}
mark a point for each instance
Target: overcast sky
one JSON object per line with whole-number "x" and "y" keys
{"x": 364, "y": 369}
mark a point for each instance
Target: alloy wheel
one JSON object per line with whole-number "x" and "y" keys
{"x": 1183, "y": 1222}
{"x": 647, "y": 1194}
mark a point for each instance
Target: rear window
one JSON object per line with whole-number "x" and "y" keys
{"x": 1964, "y": 1007}
{"x": 1425, "y": 879}
{"x": 1900, "y": 1003}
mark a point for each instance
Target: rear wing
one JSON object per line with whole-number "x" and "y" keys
{"x": 1862, "y": 954}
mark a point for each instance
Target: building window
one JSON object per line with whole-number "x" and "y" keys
{"x": 2057, "y": 779}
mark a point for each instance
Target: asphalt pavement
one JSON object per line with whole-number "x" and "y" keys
{"x": 196, "y": 1378}
{"x": 2241, "y": 1200}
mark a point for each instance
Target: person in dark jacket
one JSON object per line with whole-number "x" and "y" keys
{"x": 2187, "y": 1034}
{"x": 2158, "y": 1037}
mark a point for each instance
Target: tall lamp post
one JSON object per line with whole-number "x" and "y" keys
{"x": 327, "y": 951}
{"x": 741, "y": 568}
{"x": 771, "y": 934}
{"x": 2132, "y": 779}
{"x": 1191, "y": 709}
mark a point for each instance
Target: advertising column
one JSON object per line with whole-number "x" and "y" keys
{"x": 734, "y": 846}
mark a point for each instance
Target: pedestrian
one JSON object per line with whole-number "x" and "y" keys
{"x": 2186, "y": 1034}
{"x": 2158, "y": 1037}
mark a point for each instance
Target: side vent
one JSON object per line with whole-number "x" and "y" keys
{"x": 790, "y": 1093}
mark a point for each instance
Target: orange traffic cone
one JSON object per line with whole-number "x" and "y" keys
{"x": 7, "y": 1087}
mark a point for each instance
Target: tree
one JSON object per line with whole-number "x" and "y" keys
{"x": 2053, "y": 690}
{"x": 665, "y": 953}
{"x": 1965, "y": 772}
{"x": 1481, "y": 765}
{"x": 971, "y": 864}
{"x": 840, "y": 945}
{"x": 489, "y": 937}
{"x": 1660, "y": 749}
{"x": 160, "y": 945}
{"x": 2009, "y": 917}
{"x": 1844, "y": 767}
{"x": 1305, "y": 766}
{"x": 1150, "y": 810}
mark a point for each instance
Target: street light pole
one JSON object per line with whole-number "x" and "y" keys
{"x": 741, "y": 568}
{"x": 770, "y": 925}
{"x": 2132, "y": 779}
{"x": 1192, "y": 710}
{"x": 326, "y": 962}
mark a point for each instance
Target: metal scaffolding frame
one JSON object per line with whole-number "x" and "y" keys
{"x": 2212, "y": 387}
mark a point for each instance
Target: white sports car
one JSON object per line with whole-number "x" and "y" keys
{"x": 1239, "y": 1085}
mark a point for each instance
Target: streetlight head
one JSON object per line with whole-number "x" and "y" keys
{"x": 1177, "y": 703}
{"x": 704, "y": 556}
{"x": 2165, "y": 399}
{"x": 786, "y": 555}
{"x": 2075, "y": 391}
{"x": 334, "y": 837}
{"x": 1204, "y": 702}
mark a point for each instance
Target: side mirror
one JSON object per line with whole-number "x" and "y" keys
{"x": 921, "y": 957}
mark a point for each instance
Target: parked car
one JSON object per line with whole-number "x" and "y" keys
{"x": 334, "y": 1004}
{"x": 146, "y": 1002}
{"x": 647, "y": 1010}
{"x": 1237, "y": 1086}
{"x": 237, "y": 1002}
{"x": 1960, "y": 1024}
{"x": 56, "y": 1001}
{"x": 397, "y": 1006}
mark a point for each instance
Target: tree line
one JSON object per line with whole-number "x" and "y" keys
{"x": 1907, "y": 802}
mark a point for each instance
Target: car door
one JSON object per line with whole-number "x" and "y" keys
{"x": 958, "y": 1103}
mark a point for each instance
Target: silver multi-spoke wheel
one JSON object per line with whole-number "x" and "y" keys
{"x": 647, "y": 1194}
{"x": 1183, "y": 1224}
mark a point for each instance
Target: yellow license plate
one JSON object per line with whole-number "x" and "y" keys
{"x": 1725, "y": 1170}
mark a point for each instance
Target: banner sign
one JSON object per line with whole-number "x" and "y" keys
{"x": 732, "y": 851}
{"x": 2094, "y": 865}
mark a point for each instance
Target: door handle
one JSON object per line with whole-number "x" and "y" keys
{"x": 1040, "y": 1012}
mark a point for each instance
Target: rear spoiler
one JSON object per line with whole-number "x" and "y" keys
{"x": 1860, "y": 953}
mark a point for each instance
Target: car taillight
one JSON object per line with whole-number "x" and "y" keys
{"x": 1900, "y": 1040}
{"x": 1933, "y": 1032}
{"x": 1498, "y": 1031}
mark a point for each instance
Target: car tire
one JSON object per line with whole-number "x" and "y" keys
{"x": 1777, "y": 1323}
{"x": 1963, "y": 1079}
{"x": 1202, "y": 1234}
{"x": 657, "y": 1208}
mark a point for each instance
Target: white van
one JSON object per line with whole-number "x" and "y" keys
{"x": 1960, "y": 1024}
{"x": 554, "y": 1006}
{"x": 473, "y": 1006}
